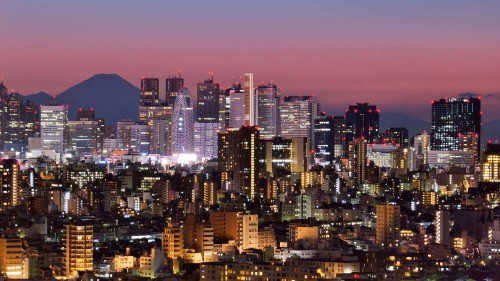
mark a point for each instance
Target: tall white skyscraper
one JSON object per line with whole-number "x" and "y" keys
{"x": 53, "y": 119}
{"x": 268, "y": 103}
{"x": 183, "y": 123}
{"x": 205, "y": 140}
{"x": 250, "y": 109}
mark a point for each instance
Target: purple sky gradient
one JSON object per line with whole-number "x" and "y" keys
{"x": 397, "y": 54}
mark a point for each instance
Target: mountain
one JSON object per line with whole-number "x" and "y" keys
{"x": 414, "y": 125}
{"x": 40, "y": 98}
{"x": 491, "y": 131}
{"x": 111, "y": 96}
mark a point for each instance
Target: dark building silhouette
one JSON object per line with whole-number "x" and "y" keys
{"x": 173, "y": 85}
{"x": 362, "y": 121}
{"x": 208, "y": 101}
{"x": 150, "y": 95}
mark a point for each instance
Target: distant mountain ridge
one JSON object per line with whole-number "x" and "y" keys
{"x": 111, "y": 96}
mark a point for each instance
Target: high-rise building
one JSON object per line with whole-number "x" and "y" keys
{"x": 469, "y": 142}
{"x": 140, "y": 138}
{"x": 454, "y": 116}
{"x": 421, "y": 146}
{"x": 183, "y": 123}
{"x": 297, "y": 114}
{"x": 82, "y": 136}
{"x": 53, "y": 120}
{"x": 236, "y": 107}
{"x": 358, "y": 160}
{"x": 238, "y": 151}
{"x": 388, "y": 226}
{"x": 160, "y": 136}
{"x": 208, "y": 101}
{"x": 3, "y": 109}
{"x": 78, "y": 248}
{"x": 205, "y": 140}
{"x": 490, "y": 166}
{"x": 30, "y": 120}
{"x": 13, "y": 112}
{"x": 173, "y": 85}
{"x": 123, "y": 132}
{"x": 362, "y": 121}
{"x": 339, "y": 144}
{"x": 324, "y": 130}
{"x": 150, "y": 92}
{"x": 10, "y": 178}
{"x": 268, "y": 106}
{"x": 250, "y": 105}
{"x": 442, "y": 224}
{"x": 85, "y": 114}
{"x": 397, "y": 136}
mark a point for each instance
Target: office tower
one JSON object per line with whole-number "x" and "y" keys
{"x": 236, "y": 108}
{"x": 454, "y": 116}
{"x": 324, "y": 145}
{"x": 53, "y": 120}
{"x": 205, "y": 140}
{"x": 182, "y": 123}
{"x": 160, "y": 136}
{"x": 208, "y": 101}
{"x": 224, "y": 107}
{"x": 150, "y": 92}
{"x": 276, "y": 156}
{"x": 13, "y": 110}
{"x": 469, "y": 142}
{"x": 250, "y": 108}
{"x": 238, "y": 151}
{"x": 339, "y": 144}
{"x": 268, "y": 106}
{"x": 421, "y": 145}
{"x": 31, "y": 124}
{"x": 397, "y": 136}
{"x": 490, "y": 166}
{"x": 297, "y": 114}
{"x": 78, "y": 248}
{"x": 358, "y": 159}
{"x": 10, "y": 195}
{"x": 173, "y": 85}
{"x": 172, "y": 241}
{"x": 362, "y": 121}
{"x": 85, "y": 114}
{"x": 442, "y": 224}
{"x": 140, "y": 139}
{"x": 82, "y": 137}
{"x": 159, "y": 120}
{"x": 301, "y": 154}
{"x": 123, "y": 130}
{"x": 388, "y": 226}
{"x": 11, "y": 258}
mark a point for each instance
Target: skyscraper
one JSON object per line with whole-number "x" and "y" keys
{"x": 140, "y": 137}
{"x": 397, "y": 136}
{"x": 150, "y": 95}
{"x": 205, "y": 140}
{"x": 339, "y": 137}
{"x": 268, "y": 105}
{"x": 454, "y": 116}
{"x": 442, "y": 224}
{"x": 236, "y": 107}
{"x": 362, "y": 121}
{"x": 421, "y": 145}
{"x": 82, "y": 136}
{"x": 208, "y": 101}
{"x": 173, "y": 85}
{"x": 324, "y": 131}
{"x": 490, "y": 166}
{"x": 53, "y": 120}
{"x": 297, "y": 114}
{"x": 238, "y": 152}
{"x": 250, "y": 108}
{"x": 85, "y": 114}
{"x": 182, "y": 123}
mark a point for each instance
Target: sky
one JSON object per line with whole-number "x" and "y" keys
{"x": 399, "y": 55}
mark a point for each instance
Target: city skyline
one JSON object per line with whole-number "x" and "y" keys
{"x": 386, "y": 53}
